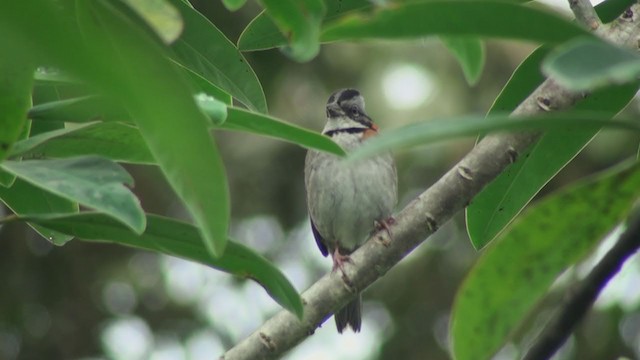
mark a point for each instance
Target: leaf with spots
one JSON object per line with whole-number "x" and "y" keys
{"x": 517, "y": 269}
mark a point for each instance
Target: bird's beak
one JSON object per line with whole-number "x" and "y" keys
{"x": 333, "y": 111}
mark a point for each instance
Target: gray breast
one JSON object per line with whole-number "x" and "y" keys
{"x": 345, "y": 199}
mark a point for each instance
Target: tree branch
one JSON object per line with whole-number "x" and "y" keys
{"x": 421, "y": 218}
{"x": 558, "y": 330}
{"x": 585, "y": 14}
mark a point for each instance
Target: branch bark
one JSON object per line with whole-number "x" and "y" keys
{"x": 422, "y": 217}
{"x": 575, "y": 308}
{"x": 585, "y": 14}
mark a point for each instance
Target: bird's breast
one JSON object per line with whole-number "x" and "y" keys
{"x": 345, "y": 199}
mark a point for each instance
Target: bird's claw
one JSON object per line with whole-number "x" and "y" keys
{"x": 385, "y": 224}
{"x": 339, "y": 260}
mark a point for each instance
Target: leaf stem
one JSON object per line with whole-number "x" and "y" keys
{"x": 9, "y": 219}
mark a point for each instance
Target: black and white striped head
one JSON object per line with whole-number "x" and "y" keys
{"x": 345, "y": 110}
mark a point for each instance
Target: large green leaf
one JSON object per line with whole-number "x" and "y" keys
{"x": 25, "y": 199}
{"x": 503, "y": 199}
{"x": 89, "y": 180}
{"x": 586, "y": 64}
{"x": 464, "y": 17}
{"x": 203, "y": 85}
{"x": 515, "y": 271}
{"x": 300, "y": 20}
{"x": 116, "y": 56}
{"x": 438, "y": 130}
{"x": 523, "y": 81}
{"x": 610, "y": 9}
{"x": 470, "y": 54}
{"x": 92, "y": 108}
{"x": 176, "y": 238}
{"x": 84, "y": 109}
{"x": 161, "y": 16}
{"x": 205, "y": 50}
{"x": 79, "y": 110}
{"x": 112, "y": 140}
{"x": 262, "y": 33}
{"x": 16, "y": 77}
{"x": 163, "y": 107}
{"x": 242, "y": 120}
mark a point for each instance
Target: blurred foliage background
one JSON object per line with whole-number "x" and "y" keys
{"x": 94, "y": 301}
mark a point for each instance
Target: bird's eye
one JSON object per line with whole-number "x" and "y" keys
{"x": 354, "y": 111}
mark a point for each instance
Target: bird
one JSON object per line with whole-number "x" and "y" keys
{"x": 347, "y": 202}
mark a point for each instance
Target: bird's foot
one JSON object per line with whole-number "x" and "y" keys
{"x": 384, "y": 224}
{"x": 339, "y": 260}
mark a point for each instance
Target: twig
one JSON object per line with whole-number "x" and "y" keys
{"x": 585, "y": 14}
{"x": 558, "y": 330}
{"x": 421, "y": 218}
{"x": 9, "y": 219}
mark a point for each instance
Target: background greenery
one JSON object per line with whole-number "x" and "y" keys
{"x": 114, "y": 83}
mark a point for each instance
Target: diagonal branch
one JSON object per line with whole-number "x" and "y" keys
{"x": 585, "y": 14}
{"x": 422, "y": 217}
{"x": 574, "y": 309}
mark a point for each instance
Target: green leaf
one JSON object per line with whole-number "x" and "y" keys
{"x": 241, "y": 120}
{"x": 79, "y": 110}
{"x": 610, "y": 9}
{"x": 438, "y": 130}
{"x": 453, "y": 18}
{"x": 515, "y": 271}
{"x": 523, "y": 81}
{"x": 112, "y": 140}
{"x": 175, "y": 130}
{"x": 233, "y": 5}
{"x": 16, "y": 77}
{"x": 587, "y": 64}
{"x": 45, "y": 76}
{"x": 161, "y": 16}
{"x": 300, "y": 21}
{"x": 89, "y": 180}
{"x": 86, "y": 108}
{"x": 205, "y": 50}
{"x": 25, "y": 199}
{"x": 215, "y": 109}
{"x": 262, "y": 33}
{"x": 182, "y": 240}
{"x": 203, "y": 85}
{"x": 7, "y": 178}
{"x": 470, "y": 54}
{"x": 503, "y": 199}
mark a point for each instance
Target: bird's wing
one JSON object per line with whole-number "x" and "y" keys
{"x": 319, "y": 239}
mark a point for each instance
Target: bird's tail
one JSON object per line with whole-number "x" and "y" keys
{"x": 350, "y": 315}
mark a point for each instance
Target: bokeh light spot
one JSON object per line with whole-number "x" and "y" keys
{"x": 407, "y": 86}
